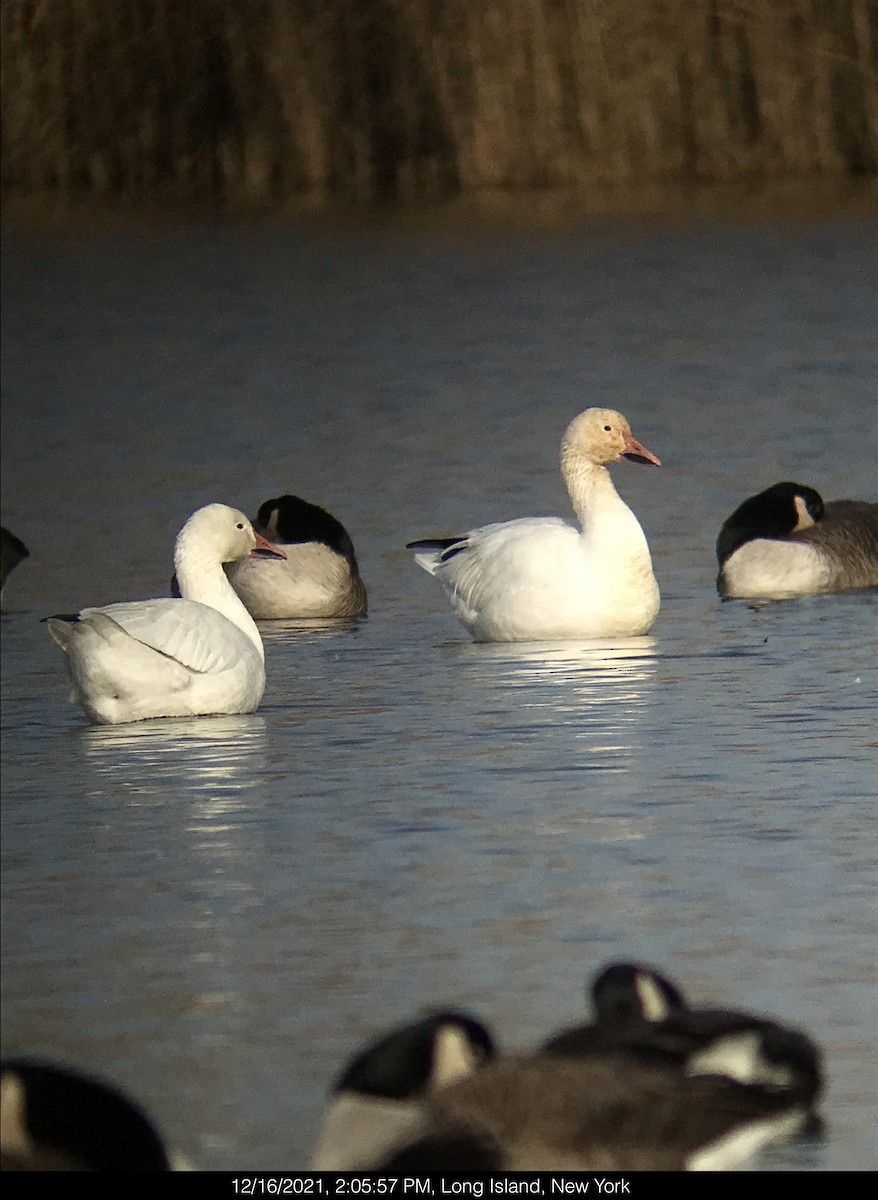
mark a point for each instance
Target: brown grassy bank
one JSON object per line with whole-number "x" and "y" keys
{"x": 266, "y": 104}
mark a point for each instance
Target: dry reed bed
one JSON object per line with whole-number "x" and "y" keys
{"x": 259, "y": 102}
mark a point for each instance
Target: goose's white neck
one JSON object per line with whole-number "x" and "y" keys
{"x": 201, "y": 578}
{"x": 608, "y": 524}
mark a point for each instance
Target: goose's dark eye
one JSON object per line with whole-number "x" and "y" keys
{"x": 607, "y": 428}
{"x": 240, "y": 525}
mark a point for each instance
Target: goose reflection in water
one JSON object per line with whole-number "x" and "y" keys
{"x": 565, "y": 708}
{"x": 595, "y": 671}
{"x": 191, "y": 784}
{"x": 305, "y": 631}
{"x": 219, "y": 755}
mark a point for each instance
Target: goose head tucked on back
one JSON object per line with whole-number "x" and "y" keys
{"x": 624, "y": 996}
{"x": 378, "y": 1102}
{"x": 623, "y": 992}
{"x": 319, "y": 576}
{"x": 642, "y": 1016}
{"x": 786, "y": 542}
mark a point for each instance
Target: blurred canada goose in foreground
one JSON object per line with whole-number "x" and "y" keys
{"x": 198, "y": 654}
{"x": 600, "y": 1113}
{"x": 56, "y": 1119}
{"x": 756, "y": 1050}
{"x": 778, "y": 1066}
{"x": 377, "y": 1104}
{"x": 787, "y": 542}
{"x": 319, "y": 576}
{"x": 709, "y": 1104}
{"x": 12, "y": 552}
{"x": 541, "y": 578}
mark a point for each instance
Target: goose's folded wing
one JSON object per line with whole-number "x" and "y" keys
{"x": 510, "y": 551}
{"x": 193, "y": 634}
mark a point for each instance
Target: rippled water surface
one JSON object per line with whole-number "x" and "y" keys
{"x": 216, "y": 912}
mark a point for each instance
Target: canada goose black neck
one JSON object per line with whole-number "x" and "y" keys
{"x": 625, "y": 992}
{"x": 12, "y": 552}
{"x": 624, "y": 996}
{"x": 378, "y": 1105}
{"x": 774, "y": 513}
{"x": 405, "y": 1062}
{"x": 292, "y": 519}
{"x": 53, "y": 1115}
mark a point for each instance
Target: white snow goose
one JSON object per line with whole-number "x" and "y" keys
{"x": 786, "y": 542}
{"x": 169, "y": 657}
{"x": 543, "y": 579}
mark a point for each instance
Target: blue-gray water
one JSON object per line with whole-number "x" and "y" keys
{"x": 215, "y": 913}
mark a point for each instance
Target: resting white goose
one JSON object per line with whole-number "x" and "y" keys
{"x": 786, "y": 542}
{"x": 173, "y": 657}
{"x": 319, "y": 576}
{"x": 542, "y": 579}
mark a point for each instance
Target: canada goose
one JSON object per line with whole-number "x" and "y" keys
{"x": 787, "y": 542}
{"x": 319, "y": 576}
{"x": 641, "y": 1014}
{"x": 12, "y": 552}
{"x": 541, "y": 578}
{"x": 624, "y": 995}
{"x": 378, "y": 1101}
{"x": 57, "y": 1119}
{"x": 770, "y": 1053}
{"x": 173, "y": 657}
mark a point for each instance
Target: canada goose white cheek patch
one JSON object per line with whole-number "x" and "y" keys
{"x": 653, "y": 1004}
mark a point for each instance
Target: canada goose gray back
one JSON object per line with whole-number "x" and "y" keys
{"x": 378, "y": 1102}
{"x": 786, "y": 541}
{"x": 57, "y": 1119}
